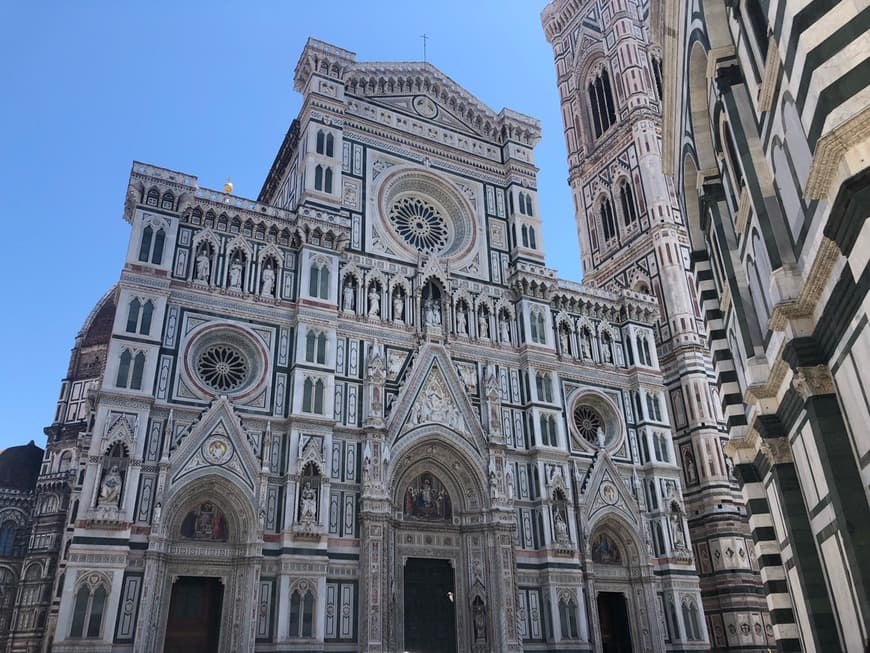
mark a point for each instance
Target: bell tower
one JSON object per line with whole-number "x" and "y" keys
{"x": 633, "y": 238}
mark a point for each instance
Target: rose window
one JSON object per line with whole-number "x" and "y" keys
{"x": 588, "y": 423}
{"x": 419, "y": 224}
{"x": 222, "y": 367}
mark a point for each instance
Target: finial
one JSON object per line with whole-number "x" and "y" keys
{"x": 228, "y": 186}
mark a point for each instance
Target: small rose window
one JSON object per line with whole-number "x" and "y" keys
{"x": 222, "y": 367}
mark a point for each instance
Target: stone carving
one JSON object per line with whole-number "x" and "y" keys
{"x": 461, "y": 322}
{"x": 563, "y": 341}
{"x": 605, "y": 550}
{"x": 236, "y": 275}
{"x": 110, "y": 489}
{"x": 347, "y": 297}
{"x": 268, "y": 283}
{"x": 435, "y": 405}
{"x": 504, "y": 330}
{"x": 431, "y": 312}
{"x": 482, "y": 325}
{"x": 809, "y": 381}
{"x": 203, "y": 266}
{"x": 398, "y": 307}
{"x": 374, "y": 302}
{"x": 561, "y": 530}
{"x": 307, "y": 504}
{"x": 479, "y": 620}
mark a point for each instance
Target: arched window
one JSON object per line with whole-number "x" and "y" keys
{"x": 147, "y": 312}
{"x": 145, "y": 244}
{"x": 88, "y": 612}
{"x": 327, "y": 181}
{"x": 124, "y": 369}
{"x": 138, "y": 370}
{"x": 644, "y": 343}
{"x": 301, "y": 613}
{"x": 659, "y": 539}
{"x": 320, "y": 146}
{"x": 65, "y": 461}
{"x": 312, "y": 396}
{"x": 529, "y": 210}
{"x": 651, "y": 489}
{"x": 601, "y": 103}
{"x": 626, "y": 198}
{"x": 153, "y": 197}
{"x": 318, "y": 280}
{"x": 657, "y": 75}
{"x": 532, "y": 242}
{"x": 159, "y": 241}
{"x": 330, "y": 144}
{"x": 608, "y": 222}
{"x": 525, "y": 232}
{"x": 544, "y": 386}
{"x": 315, "y": 347}
{"x": 133, "y": 316}
{"x": 8, "y": 532}
{"x": 167, "y": 201}
{"x": 548, "y": 430}
{"x": 568, "y": 617}
{"x": 318, "y": 178}
{"x": 690, "y": 620}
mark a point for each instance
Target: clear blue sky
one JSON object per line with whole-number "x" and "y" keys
{"x": 204, "y": 88}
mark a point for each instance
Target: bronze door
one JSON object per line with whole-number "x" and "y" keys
{"x": 430, "y": 612}
{"x": 194, "y": 616}
{"x": 613, "y": 618}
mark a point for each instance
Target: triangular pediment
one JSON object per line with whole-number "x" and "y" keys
{"x": 434, "y": 396}
{"x": 425, "y": 108}
{"x": 216, "y": 443}
{"x": 606, "y": 491}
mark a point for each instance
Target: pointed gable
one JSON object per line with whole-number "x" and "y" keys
{"x": 434, "y": 395}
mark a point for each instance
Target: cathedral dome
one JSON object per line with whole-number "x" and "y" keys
{"x": 19, "y": 466}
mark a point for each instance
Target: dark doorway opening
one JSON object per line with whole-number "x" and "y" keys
{"x": 430, "y": 611}
{"x": 613, "y": 617}
{"x": 194, "y": 616}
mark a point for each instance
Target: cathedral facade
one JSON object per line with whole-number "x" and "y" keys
{"x": 359, "y": 413}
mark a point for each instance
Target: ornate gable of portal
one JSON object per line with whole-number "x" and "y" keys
{"x": 434, "y": 395}
{"x": 607, "y": 492}
{"x": 217, "y": 443}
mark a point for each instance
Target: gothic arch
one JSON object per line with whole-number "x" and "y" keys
{"x": 624, "y": 534}
{"x": 449, "y": 460}
{"x": 236, "y": 505}
{"x": 716, "y": 23}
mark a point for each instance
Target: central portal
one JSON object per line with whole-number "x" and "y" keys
{"x": 613, "y": 617}
{"x": 194, "y": 616}
{"x": 430, "y": 613}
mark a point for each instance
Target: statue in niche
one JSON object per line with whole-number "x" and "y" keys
{"x": 563, "y": 342}
{"x": 110, "y": 488}
{"x": 398, "y": 307}
{"x": 606, "y": 354}
{"x": 604, "y": 550}
{"x": 203, "y": 265}
{"x": 236, "y": 275}
{"x": 374, "y": 302}
{"x": 482, "y": 325}
{"x": 348, "y": 296}
{"x": 435, "y": 407}
{"x": 479, "y": 620}
{"x": 308, "y": 503}
{"x": 504, "y": 329}
{"x": 561, "y": 529}
{"x": 268, "y": 285}
{"x": 677, "y": 527}
{"x": 432, "y": 312}
{"x": 461, "y": 321}
{"x": 205, "y": 522}
{"x": 587, "y": 349}
{"x": 427, "y": 499}
{"x": 601, "y": 438}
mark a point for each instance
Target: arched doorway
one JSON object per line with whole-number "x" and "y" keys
{"x": 201, "y": 568}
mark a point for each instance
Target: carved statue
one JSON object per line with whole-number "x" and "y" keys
{"x": 398, "y": 307}
{"x": 203, "y": 266}
{"x": 601, "y": 438}
{"x": 563, "y": 341}
{"x": 236, "y": 275}
{"x": 606, "y": 354}
{"x": 479, "y": 621}
{"x": 587, "y": 350}
{"x": 431, "y": 312}
{"x": 504, "y": 330}
{"x": 309, "y": 503}
{"x": 110, "y": 489}
{"x": 461, "y": 322}
{"x": 374, "y": 302}
{"x": 561, "y": 529}
{"x": 482, "y": 325}
{"x": 268, "y": 282}
{"x": 348, "y": 297}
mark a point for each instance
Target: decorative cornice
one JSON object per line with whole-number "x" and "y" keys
{"x": 768, "y": 79}
{"x": 831, "y": 150}
{"x": 811, "y": 381}
{"x": 805, "y": 305}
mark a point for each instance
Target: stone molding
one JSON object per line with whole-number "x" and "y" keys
{"x": 805, "y": 305}
{"x": 811, "y": 381}
{"x": 830, "y": 152}
{"x": 768, "y": 78}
